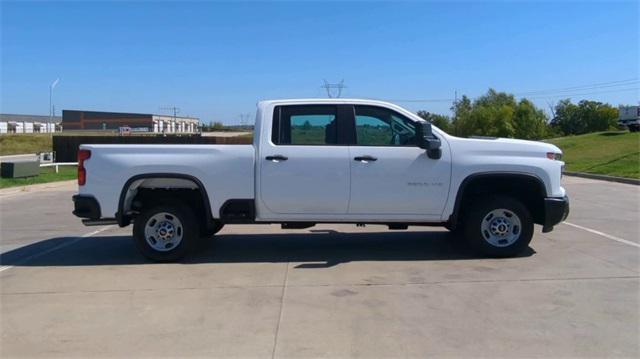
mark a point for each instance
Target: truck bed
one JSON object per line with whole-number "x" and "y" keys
{"x": 226, "y": 170}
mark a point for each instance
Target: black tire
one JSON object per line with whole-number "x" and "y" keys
{"x": 186, "y": 226}
{"x": 634, "y": 128}
{"x": 516, "y": 237}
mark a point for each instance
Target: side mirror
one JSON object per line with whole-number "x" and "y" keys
{"x": 427, "y": 140}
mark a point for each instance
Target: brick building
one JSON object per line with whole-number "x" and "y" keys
{"x": 74, "y": 120}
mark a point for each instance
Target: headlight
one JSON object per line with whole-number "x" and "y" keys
{"x": 554, "y": 156}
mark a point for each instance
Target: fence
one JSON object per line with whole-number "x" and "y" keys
{"x": 66, "y": 147}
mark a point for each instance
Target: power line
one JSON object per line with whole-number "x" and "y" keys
{"x": 585, "y": 93}
{"x": 583, "y": 87}
{"x": 427, "y": 100}
{"x": 551, "y": 93}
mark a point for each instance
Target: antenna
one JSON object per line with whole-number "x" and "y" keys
{"x": 332, "y": 88}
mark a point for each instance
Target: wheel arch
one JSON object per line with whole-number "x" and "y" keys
{"x": 470, "y": 185}
{"x": 173, "y": 180}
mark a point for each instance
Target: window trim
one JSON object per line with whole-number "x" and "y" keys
{"x": 344, "y": 129}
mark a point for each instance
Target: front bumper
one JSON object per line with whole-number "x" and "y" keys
{"x": 86, "y": 207}
{"x": 556, "y": 210}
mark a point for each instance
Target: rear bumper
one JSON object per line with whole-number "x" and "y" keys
{"x": 86, "y": 207}
{"x": 556, "y": 210}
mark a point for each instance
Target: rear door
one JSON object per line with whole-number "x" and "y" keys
{"x": 390, "y": 174}
{"x": 305, "y": 167}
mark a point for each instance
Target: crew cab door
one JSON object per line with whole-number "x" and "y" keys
{"x": 390, "y": 174}
{"x": 304, "y": 168}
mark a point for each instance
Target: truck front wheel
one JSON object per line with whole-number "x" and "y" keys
{"x": 498, "y": 226}
{"x": 166, "y": 232}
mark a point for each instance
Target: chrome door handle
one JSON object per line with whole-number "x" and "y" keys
{"x": 365, "y": 158}
{"x": 276, "y": 158}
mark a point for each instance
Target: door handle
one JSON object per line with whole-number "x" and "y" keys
{"x": 365, "y": 158}
{"x": 276, "y": 158}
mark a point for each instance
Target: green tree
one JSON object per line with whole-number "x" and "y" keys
{"x": 498, "y": 114}
{"x": 530, "y": 122}
{"x": 587, "y": 116}
{"x": 462, "y": 110}
{"x": 440, "y": 121}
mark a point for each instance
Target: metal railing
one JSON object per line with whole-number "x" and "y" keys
{"x": 56, "y": 164}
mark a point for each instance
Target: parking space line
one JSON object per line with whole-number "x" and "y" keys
{"x": 282, "y": 295}
{"x": 634, "y": 244}
{"x": 60, "y": 246}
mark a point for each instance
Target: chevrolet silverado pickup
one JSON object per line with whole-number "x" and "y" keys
{"x": 326, "y": 161}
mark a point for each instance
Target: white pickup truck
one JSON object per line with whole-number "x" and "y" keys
{"x": 326, "y": 161}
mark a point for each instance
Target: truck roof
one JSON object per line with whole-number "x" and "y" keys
{"x": 326, "y": 101}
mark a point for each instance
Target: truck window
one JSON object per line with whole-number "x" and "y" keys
{"x": 305, "y": 125}
{"x": 376, "y": 126}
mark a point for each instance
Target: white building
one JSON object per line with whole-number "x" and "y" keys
{"x": 170, "y": 124}
{"x": 12, "y": 123}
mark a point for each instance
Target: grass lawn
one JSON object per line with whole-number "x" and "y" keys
{"x": 25, "y": 143}
{"x": 613, "y": 153}
{"x": 47, "y": 174}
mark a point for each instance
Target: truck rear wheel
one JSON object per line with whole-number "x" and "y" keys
{"x": 498, "y": 226}
{"x": 165, "y": 233}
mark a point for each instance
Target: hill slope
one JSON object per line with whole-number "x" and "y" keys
{"x": 609, "y": 153}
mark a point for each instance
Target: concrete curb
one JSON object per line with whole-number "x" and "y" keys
{"x": 6, "y": 192}
{"x": 18, "y": 157}
{"x": 604, "y": 177}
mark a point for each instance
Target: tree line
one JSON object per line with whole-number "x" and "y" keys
{"x": 499, "y": 114}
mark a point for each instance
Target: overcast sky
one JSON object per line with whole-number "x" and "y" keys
{"x": 215, "y": 60}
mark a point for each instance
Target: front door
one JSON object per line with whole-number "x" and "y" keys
{"x": 390, "y": 174}
{"x": 304, "y": 168}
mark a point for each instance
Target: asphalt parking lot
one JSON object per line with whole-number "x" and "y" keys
{"x": 328, "y": 291}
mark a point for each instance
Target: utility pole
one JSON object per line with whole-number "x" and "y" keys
{"x": 174, "y": 109}
{"x": 336, "y": 86}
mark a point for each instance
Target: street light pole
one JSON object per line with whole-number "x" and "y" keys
{"x": 51, "y": 87}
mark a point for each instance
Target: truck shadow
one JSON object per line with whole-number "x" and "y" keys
{"x": 310, "y": 250}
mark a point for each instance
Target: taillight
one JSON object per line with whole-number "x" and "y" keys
{"x": 83, "y": 155}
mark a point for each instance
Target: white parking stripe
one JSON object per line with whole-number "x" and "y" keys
{"x": 603, "y": 234}
{"x": 59, "y": 246}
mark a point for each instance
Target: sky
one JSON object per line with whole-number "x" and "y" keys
{"x": 215, "y": 60}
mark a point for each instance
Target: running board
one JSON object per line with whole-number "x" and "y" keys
{"x": 296, "y": 225}
{"x": 99, "y": 222}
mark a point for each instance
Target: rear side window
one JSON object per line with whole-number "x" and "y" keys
{"x": 305, "y": 125}
{"x": 377, "y": 126}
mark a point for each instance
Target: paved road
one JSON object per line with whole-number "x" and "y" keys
{"x": 331, "y": 291}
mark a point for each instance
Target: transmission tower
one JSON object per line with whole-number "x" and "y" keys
{"x": 333, "y": 90}
{"x": 244, "y": 119}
